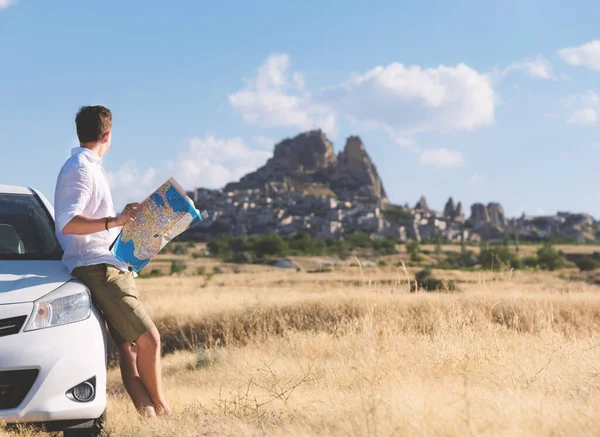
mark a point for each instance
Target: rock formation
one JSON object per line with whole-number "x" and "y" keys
{"x": 305, "y": 187}
{"x": 355, "y": 174}
{"x": 307, "y": 160}
{"x": 479, "y": 215}
{"x": 454, "y": 213}
{"x": 449, "y": 209}
{"x": 422, "y": 205}
{"x": 496, "y": 215}
{"x": 459, "y": 213}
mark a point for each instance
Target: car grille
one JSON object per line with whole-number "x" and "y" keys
{"x": 14, "y": 386}
{"x": 11, "y": 326}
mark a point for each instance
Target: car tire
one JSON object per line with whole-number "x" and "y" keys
{"x": 94, "y": 431}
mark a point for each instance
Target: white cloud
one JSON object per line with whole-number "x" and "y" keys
{"x": 441, "y": 158}
{"x": 584, "y": 116}
{"x": 276, "y": 98}
{"x": 587, "y": 55}
{"x": 409, "y": 100}
{"x": 207, "y": 162}
{"x": 538, "y": 68}
{"x": 6, "y": 3}
{"x": 402, "y": 100}
{"x": 583, "y": 108}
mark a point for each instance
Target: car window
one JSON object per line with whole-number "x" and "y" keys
{"x": 26, "y": 229}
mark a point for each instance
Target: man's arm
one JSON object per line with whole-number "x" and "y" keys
{"x": 83, "y": 225}
{"x": 73, "y": 192}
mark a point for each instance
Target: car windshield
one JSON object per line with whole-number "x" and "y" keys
{"x": 26, "y": 229}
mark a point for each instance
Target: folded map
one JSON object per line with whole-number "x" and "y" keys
{"x": 165, "y": 214}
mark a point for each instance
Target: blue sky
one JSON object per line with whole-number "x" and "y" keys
{"x": 477, "y": 100}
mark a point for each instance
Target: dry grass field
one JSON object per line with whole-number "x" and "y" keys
{"x": 275, "y": 352}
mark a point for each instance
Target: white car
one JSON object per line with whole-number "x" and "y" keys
{"x": 53, "y": 340}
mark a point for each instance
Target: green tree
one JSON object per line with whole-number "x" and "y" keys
{"x": 270, "y": 245}
{"x": 549, "y": 258}
{"x": 178, "y": 266}
{"x": 413, "y": 247}
{"x": 495, "y": 257}
{"x": 587, "y": 263}
{"x": 359, "y": 239}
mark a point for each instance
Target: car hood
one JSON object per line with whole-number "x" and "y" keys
{"x": 26, "y": 281}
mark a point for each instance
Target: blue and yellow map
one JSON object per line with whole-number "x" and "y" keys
{"x": 165, "y": 214}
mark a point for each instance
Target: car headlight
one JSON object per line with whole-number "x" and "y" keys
{"x": 69, "y": 303}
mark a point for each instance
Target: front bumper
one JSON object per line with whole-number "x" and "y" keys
{"x": 65, "y": 357}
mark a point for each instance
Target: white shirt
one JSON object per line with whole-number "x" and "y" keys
{"x": 82, "y": 188}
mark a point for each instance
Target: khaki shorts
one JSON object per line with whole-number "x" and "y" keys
{"x": 114, "y": 292}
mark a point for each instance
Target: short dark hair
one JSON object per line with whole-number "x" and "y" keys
{"x": 92, "y": 123}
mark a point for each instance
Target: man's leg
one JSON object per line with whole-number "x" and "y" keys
{"x": 148, "y": 366}
{"x": 115, "y": 293}
{"x": 131, "y": 380}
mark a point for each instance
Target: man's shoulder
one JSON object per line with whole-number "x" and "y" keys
{"x": 74, "y": 164}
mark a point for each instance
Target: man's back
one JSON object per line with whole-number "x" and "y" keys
{"x": 82, "y": 188}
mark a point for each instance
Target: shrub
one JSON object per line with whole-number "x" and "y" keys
{"x": 180, "y": 249}
{"x": 498, "y": 256}
{"x": 381, "y": 263}
{"x": 197, "y": 255}
{"x": 270, "y": 244}
{"x": 530, "y": 261}
{"x": 201, "y": 270}
{"x": 217, "y": 270}
{"x": 343, "y": 251}
{"x": 421, "y": 275}
{"x": 426, "y": 281}
{"x": 549, "y": 258}
{"x": 413, "y": 247}
{"x": 243, "y": 258}
{"x": 587, "y": 264}
{"x": 178, "y": 266}
{"x": 415, "y": 257}
{"x": 359, "y": 239}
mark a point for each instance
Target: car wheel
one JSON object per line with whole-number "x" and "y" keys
{"x": 94, "y": 431}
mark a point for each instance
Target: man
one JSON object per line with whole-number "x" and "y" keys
{"x": 86, "y": 225}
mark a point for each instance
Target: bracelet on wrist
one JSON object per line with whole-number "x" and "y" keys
{"x": 106, "y": 223}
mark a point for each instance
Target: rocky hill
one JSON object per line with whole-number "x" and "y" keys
{"x": 307, "y": 164}
{"x": 306, "y": 187}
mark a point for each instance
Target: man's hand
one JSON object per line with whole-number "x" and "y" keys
{"x": 82, "y": 225}
{"x": 128, "y": 214}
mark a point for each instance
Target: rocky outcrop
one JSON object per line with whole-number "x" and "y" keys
{"x": 307, "y": 160}
{"x": 491, "y": 216}
{"x": 479, "y": 215}
{"x": 454, "y": 213}
{"x": 422, "y": 205}
{"x": 292, "y": 160}
{"x": 449, "y": 208}
{"x": 496, "y": 215}
{"x": 305, "y": 187}
{"x": 355, "y": 174}
{"x": 459, "y": 213}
